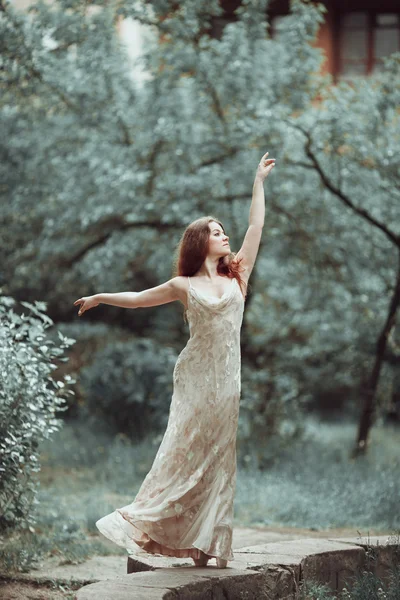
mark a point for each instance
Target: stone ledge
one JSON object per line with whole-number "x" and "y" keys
{"x": 183, "y": 583}
{"x": 271, "y": 571}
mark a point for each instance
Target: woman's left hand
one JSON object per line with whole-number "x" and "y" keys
{"x": 265, "y": 167}
{"x": 86, "y": 302}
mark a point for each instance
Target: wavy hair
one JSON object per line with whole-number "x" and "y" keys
{"x": 193, "y": 248}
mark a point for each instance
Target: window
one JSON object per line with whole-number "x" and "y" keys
{"x": 365, "y": 39}
{"x": 386, "y": 37}
{"x": 354, "y": 44}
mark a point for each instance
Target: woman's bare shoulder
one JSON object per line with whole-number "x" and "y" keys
{"x": 180, "y": 284}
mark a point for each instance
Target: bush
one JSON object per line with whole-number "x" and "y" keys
{"x": 29, "y": 400}
{"x": 271, "y": 412}
{"x": 130, "y": 385}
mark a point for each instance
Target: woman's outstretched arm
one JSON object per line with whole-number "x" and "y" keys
{"x": 161, "y": 294}
{"x": 249, "y": 249}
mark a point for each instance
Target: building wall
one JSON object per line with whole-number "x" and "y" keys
{"x": 326, "y": 41}
{"x": 355, "y": 37}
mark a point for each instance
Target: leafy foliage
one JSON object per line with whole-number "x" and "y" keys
{"x": 129, "y": 385}
{"x": 30, "y": 400}
{"x": 106, "y": 172}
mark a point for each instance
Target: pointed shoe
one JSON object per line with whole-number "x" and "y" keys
{"x": 221, "y": 563}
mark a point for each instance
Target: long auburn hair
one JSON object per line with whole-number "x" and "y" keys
{"x": 193, "y": 248}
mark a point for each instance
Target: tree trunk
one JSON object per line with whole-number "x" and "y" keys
{"x": 369, "y": 389}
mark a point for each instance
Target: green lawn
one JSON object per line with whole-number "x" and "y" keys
{"x": 315, "y": 484}
{"x": 312, "y": 485}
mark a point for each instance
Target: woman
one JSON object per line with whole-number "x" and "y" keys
{"x": 184, "y": 507}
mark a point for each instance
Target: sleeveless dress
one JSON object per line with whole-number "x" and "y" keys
{"x": 185, "y": 503}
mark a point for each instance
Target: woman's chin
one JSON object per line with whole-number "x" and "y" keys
{"x": 225, "y": 258}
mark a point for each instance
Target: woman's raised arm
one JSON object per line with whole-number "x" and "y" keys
{"x": 249, "y": 249}
{"x": 161, "y": 294}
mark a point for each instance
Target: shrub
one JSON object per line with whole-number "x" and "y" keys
{"x": 29, "y": 400}
{"x": 129, "y": 385}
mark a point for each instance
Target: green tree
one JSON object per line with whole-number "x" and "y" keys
{"x": 103, "y": 173}
{"x": 351, "y": 143}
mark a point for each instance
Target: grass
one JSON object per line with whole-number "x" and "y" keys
{"x": 363, "y": 586}
{"x": 313, "y": 485}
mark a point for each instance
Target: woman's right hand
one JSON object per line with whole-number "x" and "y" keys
{"x": 265, "y": 167}
{"x": 86, "y": 302}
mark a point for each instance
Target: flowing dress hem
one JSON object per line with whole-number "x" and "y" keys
{"x": 148, "y": 544}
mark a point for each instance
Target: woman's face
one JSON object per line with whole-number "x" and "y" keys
{"x": 218, "y": 241}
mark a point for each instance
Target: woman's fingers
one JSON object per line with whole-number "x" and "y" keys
{"x": 266, "y": 161}
{"x": 265, "y": 157}
{"x": 265, "y": 165}
{"x": 81, "y": 303}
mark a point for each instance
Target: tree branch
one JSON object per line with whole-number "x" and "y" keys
{"x": 339, "y": 193}
{"x": 112, "y": 226}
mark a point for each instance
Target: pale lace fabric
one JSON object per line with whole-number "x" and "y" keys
{"x": 185, "y": 503}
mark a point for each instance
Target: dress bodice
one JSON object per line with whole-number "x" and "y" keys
{"x": 213, "y": 317}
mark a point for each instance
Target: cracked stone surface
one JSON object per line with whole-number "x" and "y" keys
{"x": 270, "y": 571}
{"x": 268, "y": 564}
{"x": 181, "y": 583}
{"x": 99, "y": 568}
{"x": 385, "y": 551}
{"x": 285, "y": 564}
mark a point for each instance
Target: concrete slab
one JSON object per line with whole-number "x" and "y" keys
{"x": 282, "y": 556}
{"x": 302, "y": 547}
{"x": 373, "y": 540}
{"x": 179, "y": 584}
{"x": 282, "y": 566}
{"x": 381, "y": 552}
{"x": 286, "y": 564}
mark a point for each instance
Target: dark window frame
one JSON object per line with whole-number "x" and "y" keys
{"x": 372, "y": 23}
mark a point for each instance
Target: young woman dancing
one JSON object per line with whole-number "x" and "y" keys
{"x": 184, "y": 507}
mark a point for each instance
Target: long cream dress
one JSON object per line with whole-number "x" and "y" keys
{"x": 185, "y": 503}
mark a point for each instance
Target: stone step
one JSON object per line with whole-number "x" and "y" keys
{"x": 270, "y": 571}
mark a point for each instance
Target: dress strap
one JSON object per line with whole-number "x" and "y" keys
{"x": 190, "y": 285}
